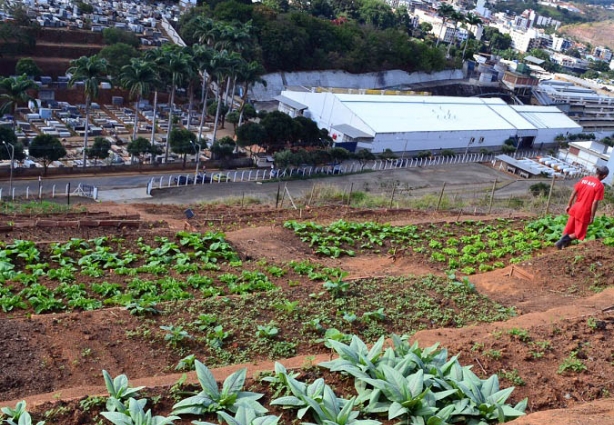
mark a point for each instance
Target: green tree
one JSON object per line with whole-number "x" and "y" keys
{"x": 176, "y": 63}
{"x": 363, "y": 156}
{"x": 117, "y": 56}
{"x": 249, "y": 74}
{"x": 472, "y": 20}
{"x": 115, "y": 35}
{"x": 27, "y": 66}
{"x": 307, "y": 132}
{"x": 139, "y": 77}
{"x": 233, "y": 118}
{"x": 46, "y": 149}
{"x": 100, "y": 148}
{"x": 445, "y": 11}
{"x": 182, "y": 142}
{"x": 8, "y": 136}
{"x": 14, "y": 90}
{"x": 91, "y": 71}
{"x": 250, "y": 134}
{"x": 339, "y": 155}
{"x": 223, "y": 149}
{"x": 376, "y": 13}
{"x": 456, "y": 17}
{"x": 141, "y": 146}
{"x": 280, "y": 129}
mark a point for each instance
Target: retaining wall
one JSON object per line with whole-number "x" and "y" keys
{"x": 279, "y": 81}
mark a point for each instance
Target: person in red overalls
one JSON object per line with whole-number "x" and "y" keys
{"x": 586, "y": 193}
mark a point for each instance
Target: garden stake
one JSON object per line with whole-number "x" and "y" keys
{"x": 549, "y": 196}
{"x": 441, "y": 196}
{"x": 492, "y": 195}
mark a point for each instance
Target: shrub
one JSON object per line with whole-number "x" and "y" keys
{"x": 539, "y": 189}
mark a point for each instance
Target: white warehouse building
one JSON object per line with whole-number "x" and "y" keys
{"x": 418, "y": 123}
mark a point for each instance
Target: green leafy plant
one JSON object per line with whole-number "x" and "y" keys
{"x": 187, "y": 363}
{"x": 244, "y": 416}
{"x": 19, "y": 415}
{"x": 336, "y": 287}
{"x": 175, "y": 335}
{"x": 119, "y": 390}
{"x": 136, "y": 415}
{"x": 571, "y": 364}
{"x": 269, "y": 331}
{"x": 212, "y": 399}
{"x": 216, "y": 337}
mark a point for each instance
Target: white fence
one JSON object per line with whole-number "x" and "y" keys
{"x": 266, "y": 174}
{"x": 42, "y": 191}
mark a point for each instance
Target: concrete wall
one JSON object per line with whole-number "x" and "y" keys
{"x": 277, "y": 82}
{"x": 438, "y": 140}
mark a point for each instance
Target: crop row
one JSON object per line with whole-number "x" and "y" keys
{"x": 277, "y": 324}
{"x": 402, "y": 381}
{"x": 89, "y": 274}
{"x": 466, "y": 246}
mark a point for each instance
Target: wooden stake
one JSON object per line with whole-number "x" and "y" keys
{"x": 549, "y": 195}
{"x": 394, "y": 189}
{"x": 492, "y": 195}
{"x": 441, "y": 196}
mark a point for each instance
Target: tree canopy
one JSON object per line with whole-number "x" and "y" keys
{"x": 100, "y": 148}
{"x": 46, "y": 149}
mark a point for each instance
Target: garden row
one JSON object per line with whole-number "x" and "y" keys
{"x": 401, "y": 381}
{"x": 466, "y": 246}
{"x": 89, "y": 274}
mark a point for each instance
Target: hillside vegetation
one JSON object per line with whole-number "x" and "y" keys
{"x": 595, "y": 33}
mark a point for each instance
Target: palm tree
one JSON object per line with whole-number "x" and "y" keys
{"x": 224, "y": 66}
{"x": 444, "y": 10}
{"x": 457, "y": 18}
{"x": 472, "y": 20}
{"x": 249, "y": 74}
{"x": 206, "y": 30}
{"x": 139, "y": 77}
{"x": 174, "y": 61}
{"x": 155, "y": 57}
{"x": 91, "y": 71}
{"x": 15, "y": 90}
{"x": 203, "y": 55}
{"x": 192, "y": 78}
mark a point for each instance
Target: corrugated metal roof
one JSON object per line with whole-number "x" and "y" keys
{"x": 545, "y": 116}
{"x": 291, "y": 103}
{"x": 353, "y": 132}
{"x": 394, "y": 114}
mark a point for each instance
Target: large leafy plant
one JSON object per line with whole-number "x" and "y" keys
{"x": 17, "y": 416}
{"x": 135, "y": 414}
{"x": 244, "y": 416}
{"x": 325, "y": 406}
{"x": 119, "y": 391}
{"x": 421, "y": 385}
{"x": 212, "y": 399}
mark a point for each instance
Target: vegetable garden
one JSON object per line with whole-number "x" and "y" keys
{"x": 198, "y": 300}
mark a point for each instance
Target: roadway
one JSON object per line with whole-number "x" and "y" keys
{"x": 460, "y": 178}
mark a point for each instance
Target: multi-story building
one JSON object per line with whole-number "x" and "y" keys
{"x": 593, "y": 111}
{"x": 560, "y": 44}
{"x": 602, "y": 53}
